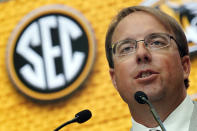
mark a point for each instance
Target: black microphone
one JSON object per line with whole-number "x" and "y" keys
{"x": 80, "y": 117}
{"x": 142, "y": 98}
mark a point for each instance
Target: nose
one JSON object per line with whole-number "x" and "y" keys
{"x": 143, "y": 55}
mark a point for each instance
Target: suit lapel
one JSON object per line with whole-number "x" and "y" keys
{"x": 193, "y": 121}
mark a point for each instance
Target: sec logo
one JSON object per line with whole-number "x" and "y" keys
{"x": 51, "y": 52}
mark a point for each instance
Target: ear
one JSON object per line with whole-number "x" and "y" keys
{"x": 113, "y": 77}
{"x": 186, "y": 66}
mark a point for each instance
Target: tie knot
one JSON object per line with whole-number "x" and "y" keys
{"x": 154, "y": 130}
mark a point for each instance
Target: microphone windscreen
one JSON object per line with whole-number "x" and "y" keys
{"x": 83, "y": 116}
{"x": 139, "y": 95}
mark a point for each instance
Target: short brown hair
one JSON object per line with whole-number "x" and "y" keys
{"x": 168, "y": 22}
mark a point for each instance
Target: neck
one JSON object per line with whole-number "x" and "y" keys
{"x": 141, "y": 112}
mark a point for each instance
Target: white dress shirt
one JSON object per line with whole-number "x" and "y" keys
{"x": 178, "y": 120}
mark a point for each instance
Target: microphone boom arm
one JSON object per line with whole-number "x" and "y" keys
{"x": 80, "y": 117}
{"x": 156, "y": 116}
{"x": 66, "y": 123}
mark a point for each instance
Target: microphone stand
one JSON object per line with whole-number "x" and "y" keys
{"x": 156, "y": 116}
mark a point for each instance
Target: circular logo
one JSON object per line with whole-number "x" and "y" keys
{"x": 51, "y": 52}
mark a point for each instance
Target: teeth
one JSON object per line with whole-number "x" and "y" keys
{"x": 145, "y": 74}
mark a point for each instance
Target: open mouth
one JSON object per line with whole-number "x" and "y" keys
{"x": 145, "y": 74}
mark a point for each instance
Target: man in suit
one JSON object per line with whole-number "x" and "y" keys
{"x": 147, "y": 51}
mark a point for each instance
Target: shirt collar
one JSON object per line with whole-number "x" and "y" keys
{"x": 178, "y": 120}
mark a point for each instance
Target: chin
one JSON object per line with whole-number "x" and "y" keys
{"x": 155, "y": 96}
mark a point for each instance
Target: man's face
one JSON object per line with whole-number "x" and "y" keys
{"x": 159, "y": 73}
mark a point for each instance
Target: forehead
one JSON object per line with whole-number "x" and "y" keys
{"x": 136, "y": 26}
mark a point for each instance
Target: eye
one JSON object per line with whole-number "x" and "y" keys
{"x": 125, "y": 48}
{"x": 157, "y": 42}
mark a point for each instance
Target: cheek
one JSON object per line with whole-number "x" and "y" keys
{"x": 172, "y": 68}
{"x": 123, "y": 78}
{"x": 123, "y": 71}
